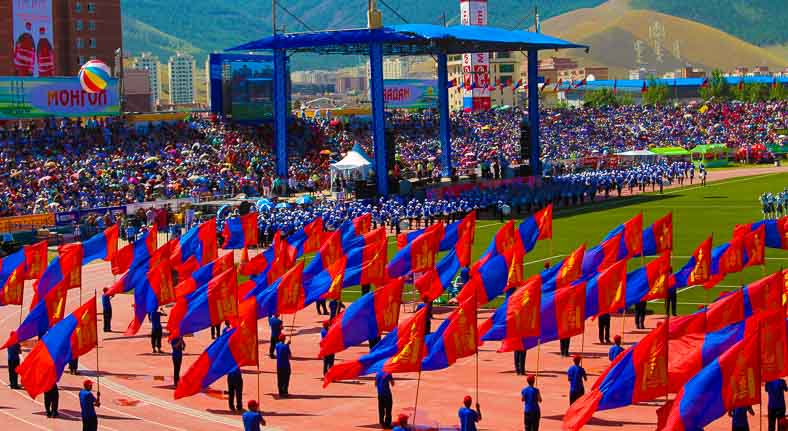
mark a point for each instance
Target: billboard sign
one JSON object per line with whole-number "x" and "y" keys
{"x": 34, "y": 53}
{"x": 22, "y": 98}
{"x": 475, "y": 66}
{"x": 410, "y": 93}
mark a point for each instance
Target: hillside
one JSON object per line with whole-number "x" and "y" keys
{"x": 202, "y": 26}
{"x": 613, "y": 28}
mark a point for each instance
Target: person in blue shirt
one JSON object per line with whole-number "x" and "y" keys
{"x": 235, "y": 390}
{"x": 739, "y": 420}
{"x": 14, "y": 351}
{"x": 252, "y": 418}
{"x": 106, "y": 308}
{"x": 87, "y": 405}
{"x": 468, "y": 416}
{"x": 156, "y": 330}
{"x": 576, "y": 375}
{"x": 383, "y": 383}
{"x": 328, "y": 360}
{"x": 776, "y": 390}
{"x": 531, "y": 398}
{"x": 275, "y": 323}
{"x": 402, "y": 423}
{"x": 178, "y": 345}
{"x": 616, "y": 349}
{"x": 283, "y": 365}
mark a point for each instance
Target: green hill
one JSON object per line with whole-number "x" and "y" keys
{"x": 203, "y": 26}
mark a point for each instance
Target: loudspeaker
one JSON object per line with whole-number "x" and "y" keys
{"x": 525, "y": 141}
{"x": 391, "y": 143}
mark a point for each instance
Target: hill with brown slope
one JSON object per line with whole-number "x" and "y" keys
{"x": 613, "y": 28}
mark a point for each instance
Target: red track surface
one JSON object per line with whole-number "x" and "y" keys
{"x": 137, "y": 387}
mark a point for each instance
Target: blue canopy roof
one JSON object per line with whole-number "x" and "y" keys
{"x": 411, "y": 39}
{"x": 635, "y": 85}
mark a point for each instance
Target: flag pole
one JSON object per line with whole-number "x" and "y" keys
{"x": 416, "y": 404}
{"x": 98, "y": 368}
{"x": 476, "y": 316}
{"x": 538, "y": 357}
{"x": 257, "y": 349}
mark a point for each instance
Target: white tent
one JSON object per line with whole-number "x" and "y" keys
{"x": 354, "y": 161}
{"x": 636, "y": 153}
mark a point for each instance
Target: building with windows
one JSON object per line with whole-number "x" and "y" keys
{"x": 150, "y": 63}
{"x": 81, "y": 30}
{"x": 505, "y": 70}
{"x": 182, "y": 68}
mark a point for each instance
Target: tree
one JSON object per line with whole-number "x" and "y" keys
{"x": 777, "y": 92}
{"x": 601, "y": 98}
{"x": 656, "y": 93}
{"x": 718, "y": 87}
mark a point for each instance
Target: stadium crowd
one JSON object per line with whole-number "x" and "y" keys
{"x": 64, "y": 165}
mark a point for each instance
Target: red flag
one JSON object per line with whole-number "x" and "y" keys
{"x": 429, "y": 285}
{"x": 570, "y": 307}
{"x": 774, "y": 348}
{"x": 754, "y": 246}
{"x": 611, "y": 288}
{"x": 71, "y": 264}
{"x": 85, "y": 337}
{"x": 223, "y": 296}
{"x": 411, "y": 348}
{"x": 35, "y": 260}
{"x": 660, "y": 277}
{"x": 290, "y": 296}
{"x": 571, "y": 267}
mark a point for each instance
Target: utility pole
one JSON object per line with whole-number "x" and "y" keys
{"x": 374, "y": 17}
{"x": 273, "y": 16}
{"x": 537, "y": 25}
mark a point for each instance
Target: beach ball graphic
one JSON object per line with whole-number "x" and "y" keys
{"x": 94, "y": 76}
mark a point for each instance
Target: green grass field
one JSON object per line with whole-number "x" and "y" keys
{"x": 697, "y": 212}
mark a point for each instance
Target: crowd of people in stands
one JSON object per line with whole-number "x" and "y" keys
{"x": 61, "y": 165}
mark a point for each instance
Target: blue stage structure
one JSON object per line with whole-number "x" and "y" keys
{"x": 406, "y": 39}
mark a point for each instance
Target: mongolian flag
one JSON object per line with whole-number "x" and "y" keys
{"x": 203, "y": 275}
{"x": 135, "y": 253}
{"x": 754, "y": 247}
{"x": 649, "y": 282}
{"x": 365, "y": 318}
{"x": 64, "y": 270}
{"x": 725, "y": 259}
{"x": 456, "y": 338}
{"x": 139, "y": 270}
{"x": 334, "y": 248}
{"x": 658, "y": 237}
{"x": 203, "y": 308}
{"x": 435, "y": 281}
{"x": 418, "y": 256}
{"x": 400, "y": 351}
{"x": 566, "y": 271}
{"x": 240, "y": 232}
{"x": 73, "y": 274}
{"x": 505, "y": 239}
{"x": 491, "y": 280}
{"x": 639, "y": 374}
{"x": 536, "y": 227}
{"x": 452, "y": 233}
{"x": 285, "y": 296}
{"x": 730, "y": 381}
{"x": 43, "y": 315}
{"x": 631, "y": 238}
{"x": 101, "y": 246}
{"x": 356, "y": 227}
{"x": 12, "y": 278}
{"x": 366, "y": 265}
{"x": 195, "y": 248}
{"x": 258, "y": 264}
{"x": 606, "y": 291}
{"x": 69, "y": 339}
{"x": 698, "y": 268}
{"x": 561, "y": 314}
{"x": 35, "y": 260}
{"x": 759, "y": 296}
{"x": 606, "y": 253}
{"x": 155, "y": 290}
{"x": 776, "y": 231}
{"x": 306, "y": 240}
{"x": 232, "y": 350}
{"x": 429, "y": 285}
{"x": 518, "y": 316}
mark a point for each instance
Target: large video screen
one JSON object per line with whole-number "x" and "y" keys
{"x": 251, "y": 90}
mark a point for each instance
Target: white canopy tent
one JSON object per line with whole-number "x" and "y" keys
{"x": 356, "y": 160}
{"x": 637, "y": 155}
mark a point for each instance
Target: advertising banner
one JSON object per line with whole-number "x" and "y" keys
{"x": 34, "y": 53}
{"x": 22, "y": 98}
{"x": 475, "y": 66}
{"x": 410, "y": 93}
{"x": 67, "y": 218}
{"x": 26, "y": 222}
